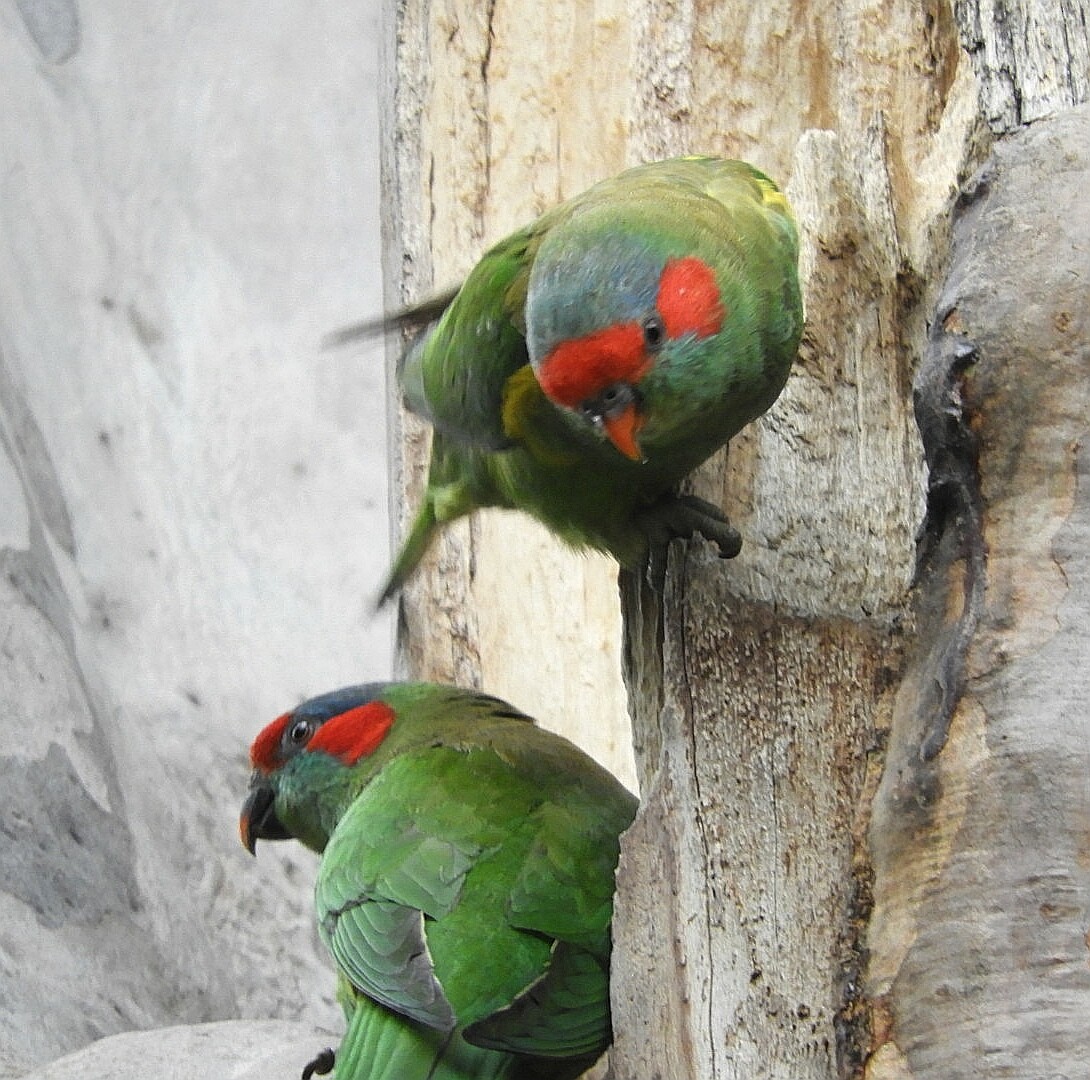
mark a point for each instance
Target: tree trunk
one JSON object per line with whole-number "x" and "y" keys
{"x": 461, "y": 175}
{"x": 979, "y": 939}
{"x": 862, "y": 845}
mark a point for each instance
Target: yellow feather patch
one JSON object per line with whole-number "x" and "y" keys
{"x": 773, "y": 198}
{"x": 523, "y": 403}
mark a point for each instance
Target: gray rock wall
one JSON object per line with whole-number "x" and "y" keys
{"x": 192, "y": 495}
{"x": 241, "y": 1050}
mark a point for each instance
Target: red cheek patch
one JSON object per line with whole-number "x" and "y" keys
{"x": 579, "y": 369}
{"x": 354, "y": 733}
{"x": 688, "y": 299}
{"x": 264, "y": 753}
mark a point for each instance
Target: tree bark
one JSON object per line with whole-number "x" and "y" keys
{"x": 488, "y": 134}
{"x": 979, "y": 940}
{"x": 861, "y": 745}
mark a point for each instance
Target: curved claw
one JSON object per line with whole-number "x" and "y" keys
{"x": 321, "y": 1065}
{"x": 683, "y": 516}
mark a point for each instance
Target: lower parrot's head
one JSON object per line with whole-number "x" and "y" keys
{"x": 611, "y": 299}
{"x": 302, "y": 765}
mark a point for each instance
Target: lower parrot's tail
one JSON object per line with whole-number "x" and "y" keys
{"x": 383, "y": 1045}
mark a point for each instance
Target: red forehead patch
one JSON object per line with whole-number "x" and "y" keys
{"x": 264, "y": 753}
{"x": 354, "y": 733}
{"x": 688, "y": 299}
{"x": 576, "y": 370}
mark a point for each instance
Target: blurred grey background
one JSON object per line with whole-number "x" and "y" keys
{"x": 193, "y": 509}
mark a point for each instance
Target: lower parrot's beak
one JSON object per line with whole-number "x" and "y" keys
{"x": 622, "y": 427}
{"x": 258, "y": 820}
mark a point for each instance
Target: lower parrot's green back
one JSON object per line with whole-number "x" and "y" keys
{"x": 468, "y": 889}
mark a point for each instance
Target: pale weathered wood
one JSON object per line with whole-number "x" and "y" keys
{"x": 775, "y": 682}
{"x": 767, "y": 755}
{"x": 1031, "y": 57}
{"x": 741, "y": 885}
{"x": 488, "y": 135}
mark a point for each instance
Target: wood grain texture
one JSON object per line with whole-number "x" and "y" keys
{"x": 488, "y": 136}
{"x": 1031, "y": 57}
{"x": 744, "y": 852}
{"x": 782, "y": 907}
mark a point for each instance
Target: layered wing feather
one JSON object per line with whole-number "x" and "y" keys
{"x": 455, "y": 890}
{"x": 454, "y": 374}
{"x": 371, "y": 911}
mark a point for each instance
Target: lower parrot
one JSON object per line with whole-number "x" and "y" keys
{"x": 465, "y": 887}
{"x": 594, "y": 358}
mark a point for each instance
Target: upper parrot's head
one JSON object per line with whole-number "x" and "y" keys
{"x": 303, "y": 762}
{"x": 615, "y": 295}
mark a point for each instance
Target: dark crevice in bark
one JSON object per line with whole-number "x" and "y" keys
{"x": 954, "y": 502}
{"x": 642, "y": 666}
{"x": 853, "y": 1023}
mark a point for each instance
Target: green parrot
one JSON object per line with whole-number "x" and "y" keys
{"x": 465, "y": 888}
{"x": 593, "y": 359}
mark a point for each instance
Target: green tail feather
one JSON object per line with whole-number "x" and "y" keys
{"x": 427, "y": 311}
{"x": 381, "y": 1045}
{"x": 444, "y": 501}
{"x": 412, "y": 551}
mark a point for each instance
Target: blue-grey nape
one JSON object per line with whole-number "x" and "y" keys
{"x": 326, "y": 706}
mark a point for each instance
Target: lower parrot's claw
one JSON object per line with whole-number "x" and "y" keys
{"x": 321, "y": 1065}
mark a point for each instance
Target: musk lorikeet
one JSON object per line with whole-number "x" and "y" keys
{"x": 593, "y": 359}
{"x": 465, "y": 887}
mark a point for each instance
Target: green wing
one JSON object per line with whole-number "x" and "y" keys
{"x": 454, "y": 374}
{"x": 371, "y": 914}
{"x": 457, "y": 890}
{"x": 564, "y": 890}
{"x": 408, "y": 881}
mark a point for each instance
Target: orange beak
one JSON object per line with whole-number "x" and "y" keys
{"x": 622, "y": 429}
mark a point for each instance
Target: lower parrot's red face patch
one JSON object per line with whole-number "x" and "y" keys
{"x": 355, "y": 733}
{"x": 265, "y": 749}
{"x": 347, "y": 736}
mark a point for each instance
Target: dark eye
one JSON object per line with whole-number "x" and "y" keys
{"x": 299, "y": 732}
{"x": 654, "y": 333}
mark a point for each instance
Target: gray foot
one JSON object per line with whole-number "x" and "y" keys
{"x": 684, "y": 516}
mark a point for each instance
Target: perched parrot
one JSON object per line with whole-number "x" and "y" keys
{"x": 465, "y": 888}
{"x": 594, "y": 358}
